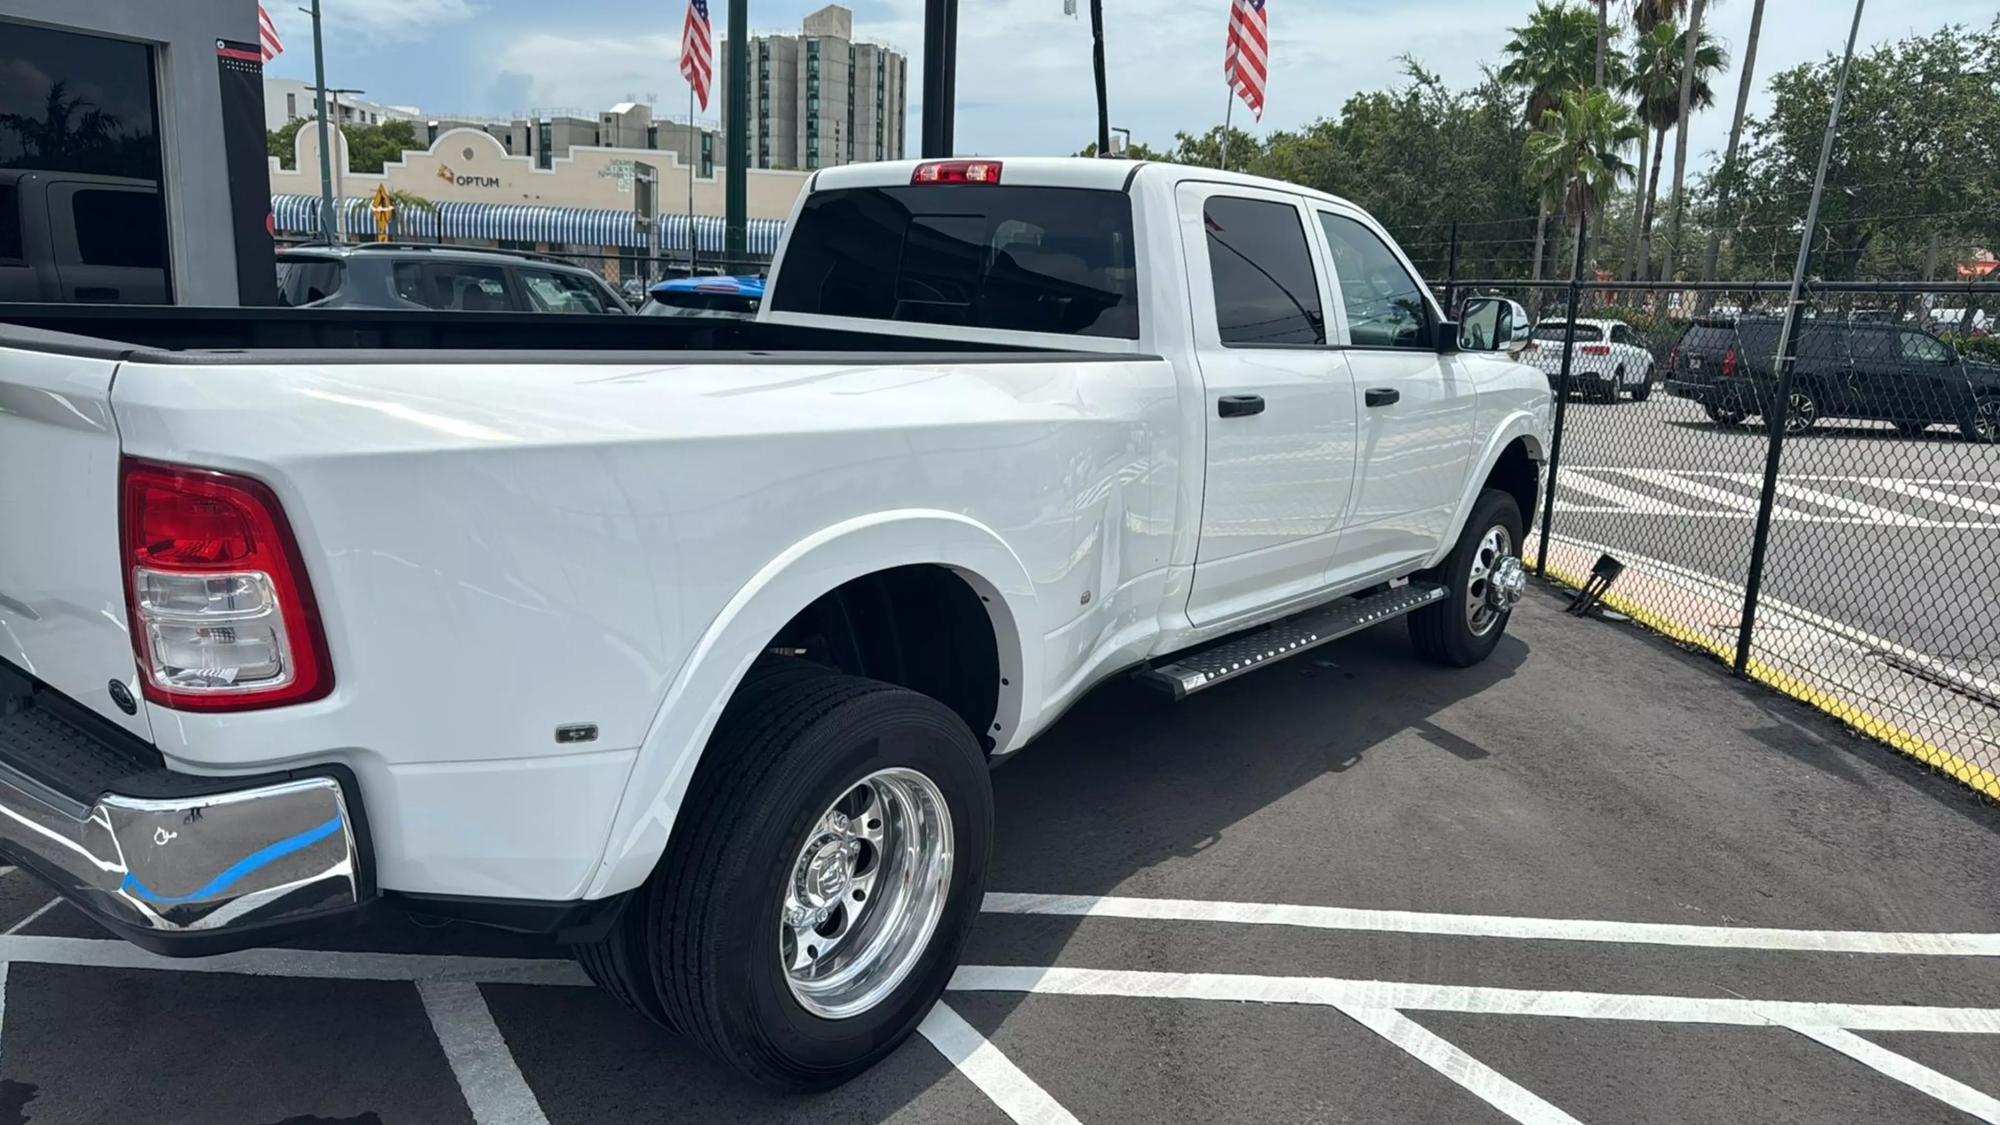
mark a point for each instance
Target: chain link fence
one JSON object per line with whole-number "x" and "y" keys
{"x": 1873, "y": 590}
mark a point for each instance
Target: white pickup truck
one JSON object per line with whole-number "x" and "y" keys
{"x": 691, "y": 642}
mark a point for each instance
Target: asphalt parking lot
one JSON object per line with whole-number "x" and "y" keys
{"x": 1592, "y": 880}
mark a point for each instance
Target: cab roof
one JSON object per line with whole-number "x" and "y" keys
{"x": 1109, "y": 174}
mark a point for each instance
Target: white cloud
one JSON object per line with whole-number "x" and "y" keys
{"x": 589, "y": 73}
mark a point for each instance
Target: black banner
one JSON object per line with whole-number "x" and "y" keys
{"x": 241, "y": 66}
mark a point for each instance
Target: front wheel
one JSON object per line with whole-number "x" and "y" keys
{"x": 1722, "y": 417}
{"x": 1483, "y": 577}
{"x": 1802, "y": 413}
{"x": 1984, "y": 424}
{"x": 827, "y": 871}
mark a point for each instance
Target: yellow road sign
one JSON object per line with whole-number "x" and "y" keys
{"x": 384, "y": 209}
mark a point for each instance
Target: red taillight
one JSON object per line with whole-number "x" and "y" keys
{"x": 957, "y": 172}
{"x": 1674, "y": 358}
{"x": 1597, "y": 349}
{"x": 1729, "y": 363}
{"x": 221, "y": 613}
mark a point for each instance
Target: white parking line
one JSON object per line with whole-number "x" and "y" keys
{"x": 487, "y": 1075}
{"x": 1939, "y": 496}
{"x": 1450, "y": 1060}
{"x": 1499, "y": 926}
{"x": 1906, "y": 1070}
{"x": 23, "y": 923}
{"x": 1018, "y": 1096}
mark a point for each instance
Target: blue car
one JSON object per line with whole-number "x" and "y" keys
{"x": 706, "y": 296}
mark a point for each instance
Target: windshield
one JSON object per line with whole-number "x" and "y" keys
{"x": 1585, "y": 333}
{"x": 1027, "y": 259}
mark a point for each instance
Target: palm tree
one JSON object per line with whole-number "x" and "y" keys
{"x": 1691, "y": 72}
{"x": 66, "y": 130}
{"x": 1576, "y": 158}
{"x": 1649, "y": 14}
{"x": 1743, "y": 85}
{"x": 1552, "y": 55}
{"x": 1655, "y": 86}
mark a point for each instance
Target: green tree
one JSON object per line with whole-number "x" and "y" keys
{"x": 368, "y": 146}
{"x": 1552, "y": 54}
{"x": 1577, "y": 157}
{"x": 1655, "y": 87}
{"x": 74, "y": 134}
{"x": 1911, "y": 178}
{"x": 1693, "y": 74}
{"x": 1744, "y": 83}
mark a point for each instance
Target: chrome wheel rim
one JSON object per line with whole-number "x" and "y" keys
{"x": 1803, "y": 413}
{"x": 865, "y": 892}
{"x": 1495, "y": 581}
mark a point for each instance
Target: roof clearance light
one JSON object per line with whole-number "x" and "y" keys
{"x": 957, "y": 172}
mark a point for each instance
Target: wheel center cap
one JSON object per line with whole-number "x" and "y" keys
{"x": 1507, "y": 582}
{"x": 828, "y": 874}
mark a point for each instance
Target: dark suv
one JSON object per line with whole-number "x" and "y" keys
{"x": 391, "y": 275}
{"x": 1846, "y": 369}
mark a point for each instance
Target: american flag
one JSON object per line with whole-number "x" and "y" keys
{"x": 697, "y": 51}
{"x": 1245, "y": 64}
{"x": 267, "y": 35}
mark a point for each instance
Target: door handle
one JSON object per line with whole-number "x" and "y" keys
{"x": 1238, "y": 406}
{"x": 1382, "y": 396}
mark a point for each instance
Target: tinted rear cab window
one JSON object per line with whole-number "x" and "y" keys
{"x": 1585, "y": 333}
{"x": 1024, "y": 259}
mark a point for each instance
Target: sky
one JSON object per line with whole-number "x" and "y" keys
{"x": 1024, "y": 82}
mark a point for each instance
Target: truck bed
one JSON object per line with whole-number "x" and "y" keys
{"x": 169, "y": 334}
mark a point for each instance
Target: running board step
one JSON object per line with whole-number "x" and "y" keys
{"x": 1199, "y": 670}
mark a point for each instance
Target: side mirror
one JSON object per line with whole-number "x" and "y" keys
{"x": 1491, "y": 324}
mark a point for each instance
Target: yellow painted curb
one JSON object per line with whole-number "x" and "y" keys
{"x": 1871, "y": 725}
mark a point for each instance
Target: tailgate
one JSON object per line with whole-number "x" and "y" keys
{"x": 62, "y": 602}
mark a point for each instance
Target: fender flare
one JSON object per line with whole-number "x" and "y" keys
{"x": 1524, "y": 425}
{"x": 717, "y": 662}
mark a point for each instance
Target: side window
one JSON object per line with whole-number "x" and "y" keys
{"x": 11, "y": 250}
{"x": 1385, "y": 305}
{"x": 1919, "y": 348}
{"x": 1262, "y": 268}
{"x": 303, "y": 282}
{"x": 1874, "y": 344}
{"x": 409, "y": 283}
{"x": 465, "y": 287}
{"x": 1622, "y": 334}
{"x": 549, "y": 291}
{"x": 119, "y": 228}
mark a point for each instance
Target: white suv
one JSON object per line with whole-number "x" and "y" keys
{"x": 1609, "y": 358}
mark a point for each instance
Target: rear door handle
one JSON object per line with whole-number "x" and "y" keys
{"x": 1382, "y": 396}
{"x": 1238, "y": 406}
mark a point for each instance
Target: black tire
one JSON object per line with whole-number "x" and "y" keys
{"x": 1440, "y": 631}
{"x": 697, "y": 947}
{"x": 1722, "y": 417}
{"x": 1644, "y": 390}
{"x": 1983, "y": 426}
{"x": 1802, "y": 416}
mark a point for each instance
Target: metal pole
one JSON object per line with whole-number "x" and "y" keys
{"x": 1451, "y": 275}
{"x": 1097, "y": 69}
{"x": 940, "y": 63}
{"x": 326, "y": 213}
{"x": 1788, "y": 351}
{"x": 1228, "y": 108}
{"x": 1562, "y": 397}
{"x": 736, "y": 179}
{"x": 694, "y": 142}
{"x": 339, "y": 185}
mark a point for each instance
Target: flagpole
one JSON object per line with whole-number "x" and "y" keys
{"x": 694, "y": 143}
{"x": 1228, "y": 108}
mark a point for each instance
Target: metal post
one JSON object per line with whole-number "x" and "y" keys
{"x": 1451, "y": 275}
{"x": 326, "y": 213}
{"x": 940, "y": 75}
{"x": 694, "y": 143}
{"x": 1228, "y": 108}
{"x": 1788, "y": 351}
{"x": 736, "y": 179}
{"x": 1097, "y": 69}
{"x": 1562, "y": 397}
{"x": 339, "y": 186}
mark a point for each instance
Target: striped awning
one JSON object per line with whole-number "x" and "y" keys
{"x": 496, "y": 222}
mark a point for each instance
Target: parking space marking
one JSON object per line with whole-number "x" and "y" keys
{"x": 486, "y": 1071}
{"x": 23, "y": 923}
{"x": 1498, "y": 926}
{"x": 1906, "y": 1070}
{"x": 315, "y": 963}
{"x": 1609, "y": 498}
{"x": 1411, "y": 996}
{"x": 1452, "y": 1061}
{"x": 1018, "y": 1096}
